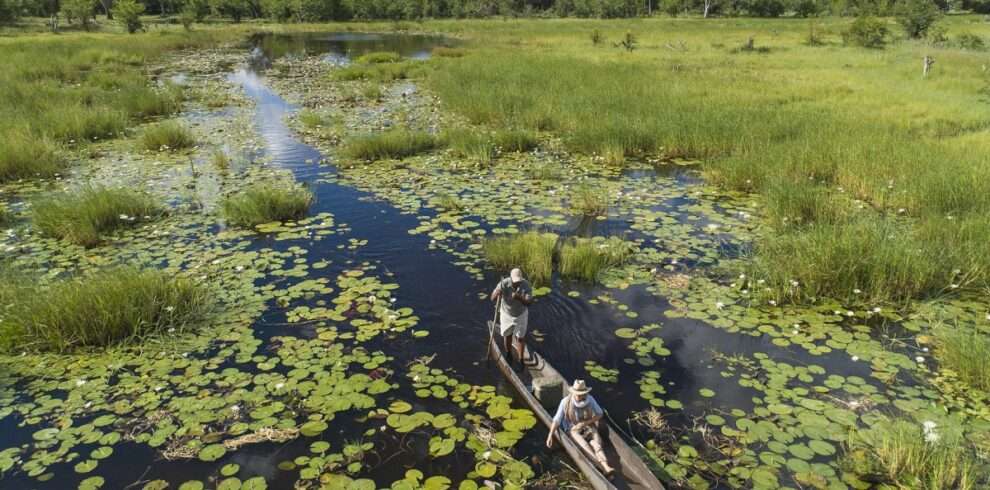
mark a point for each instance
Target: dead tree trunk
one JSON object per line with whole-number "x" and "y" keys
{"x": 928, "y": 62}
{"x": 708, "y": 6}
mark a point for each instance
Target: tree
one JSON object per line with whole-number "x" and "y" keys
{"x": 78, "y": 10}
{"x": 866, "y": 31}
{"x": 128, "y": 12}
{"x": 198, "y": 8}
{"x": 10, "y": 10}
{"x": 917, "y": 16}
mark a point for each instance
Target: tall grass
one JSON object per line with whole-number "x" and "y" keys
{"x": 105, "y": 308}
{"x": 265, "y": 203}
{"x": 378, "y": 57}
{"x": 397, "y": 143}
{"x": 586, "y": 259}
{"x": 6, "y": 217}
{"x": 378, "y": 72}
{"x": 23, "y": 155}
{"x": 589, "y": 201}
{"x": 903, "y": 454}
{"x": 167, "y": 136}
{"x": 530, "y": 251}
{"x": 76, "y": 88}
{"x": 965, "y": 351}
{"x": 812, "y": 145}
{"x": 84, "y": 216}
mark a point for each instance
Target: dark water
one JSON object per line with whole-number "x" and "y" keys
{"x": 447, "y": 300}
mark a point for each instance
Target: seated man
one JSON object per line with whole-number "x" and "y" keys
{"x": 578, "y": 415}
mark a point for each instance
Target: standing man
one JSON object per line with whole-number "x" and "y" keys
{"x": 578, "y": 415}
{"x": 516, "y": 295}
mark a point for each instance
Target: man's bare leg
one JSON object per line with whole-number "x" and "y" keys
{"x": 507, "y": 341}
{"x": 521, "y": 349}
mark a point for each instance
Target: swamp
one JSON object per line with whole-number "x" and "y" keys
{"x": 259, "y": 254}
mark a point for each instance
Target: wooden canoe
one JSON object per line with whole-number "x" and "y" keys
{"x": 631, "y": 473}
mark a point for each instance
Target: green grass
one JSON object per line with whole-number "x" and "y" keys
{"x": 312, "y": 119}
{"x": 220, "y": 161}
{"x": 24, "y": 155}
{"x": 105, "y": 308}
{"x": 391, "y": 144}
{"x": 63, "y": 92}
{"x": 265, "y": 203}
{"x": 6, "y": 217}
{"x": 85, "y": 216}
{"x": 800, "y": 125}
{"x": 897, "y": 453}
{"x": 589, "y": 201}
{"x": 965, "y": 351}
{"x": 167, "y": 136}
{"x": 378, "y": 57}
{"x": 448, "y": 202}
{"x": 379, "y": 72}
{"x": 586, "y": 259}
{"x": 546, "y": 171}
{"x": 530, "y": 251}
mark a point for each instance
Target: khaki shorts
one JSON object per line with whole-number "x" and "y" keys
{"x": 514, "y": 326}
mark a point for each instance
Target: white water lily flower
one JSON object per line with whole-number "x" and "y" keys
{"x": 279, "y": 386}
{"x": 772, "y": 303}
{"x": 928, "y": 427}
{"x": 924, "y": 349}
{"x": 877, "y": 309}
{"x": 170, "y": 309}
{"x": 235, "y": 408}
{"x": 850, "y": 313}
{"x": 416, "y": 378}
{"x": 719, "y": 305}
{"x": 239, "y": 268}
{"x": 88, "y": 404}
{"x": 919, "y": 359}
{"x": 855, "y": 358}
{"x": 80, "y": 382}
{"x": 123, "y": 216}
{"x": 857, "y": 291}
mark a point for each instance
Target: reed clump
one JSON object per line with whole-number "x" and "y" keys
{"x": 904, "y": 453}
{"x": 393, "y": 144}
{"x": 85, "y": 216}
{"x": 585, "y": 259}
{"x": 530, "y": 251}
{"x": 965, "y": 351}
{"x": 23, "y": 156}
{"x": 110, "y": 307}
{"x": 589, "y": 201}
{"x": 266, "y": 203}
{"x": 167, "y": 136}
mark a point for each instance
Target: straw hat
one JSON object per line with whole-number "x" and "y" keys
{"x": 580, "y": 388}
{"x": 516, "y": 275}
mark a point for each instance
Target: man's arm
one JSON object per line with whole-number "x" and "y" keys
{"x": 497, "y": 293}
{"x": 523, "y": 295}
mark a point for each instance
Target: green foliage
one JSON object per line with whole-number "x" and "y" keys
{"x": 597, "y": 37}
{"x": 6, "y": 217}
{"x": 585, "y": 259}
{"x": 378, "y": 72}
{"x": 917, "y": 17}
{"x": 128, "y": 13}
{"x": 378, "y": 57}
{"x": 970, "y": 41}
{"x": 867, "y": 32}
{"x": 84, "y": 216}
{"x": 391, "y": 144}
{"x": 964, "y": 350}
{"x": 187, "y": 18}
{"x": 220, "y": 161}
{"x": 904, "y": 453}
{"x": 589, "y": 201}
{"x": 167, "y": 136}
{"x": 80, "y": 11}
{"x": 530, "y": 251}
{"x": 765, "y": 8}
{"x": 25, "y": 156}
{"x": 101, "y": 309}
{"x": 265, "y": 203}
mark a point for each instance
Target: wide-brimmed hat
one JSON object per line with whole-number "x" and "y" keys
{"x": 516, "y": 275}
{"x": 580, "y": 388}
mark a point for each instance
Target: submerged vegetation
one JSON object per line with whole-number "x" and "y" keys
{"x": 531, "y": 251}
{"x": 266, "y": 203}
{"x": 86, "y": 215}
{"x": 101, "y": 309}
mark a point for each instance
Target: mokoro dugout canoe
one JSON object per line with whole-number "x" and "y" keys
{"x": 631, "y": 473}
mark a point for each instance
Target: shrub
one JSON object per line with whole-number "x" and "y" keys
{"x": 531, "y": 251}
{"x": 968, "y": 40}
{"x": 128, "y": 13}
{"x": 589, "y": 201}
{"x": 265, "y": 203}
{"x": 84, "y": 216}
{"x": 187, "y": 18}
{"x": 167, "y": 136}
{"x": 917, "y": 17}
{"x": 24, "y": 156}
{"x": 906, "y": 454}
{"x": 101, "y": 309}
{"x": 396, "y": 143}
{"x": 867, "y": 32}
{"x": 586, "y": 259}
{"x": 765, "y": 8}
